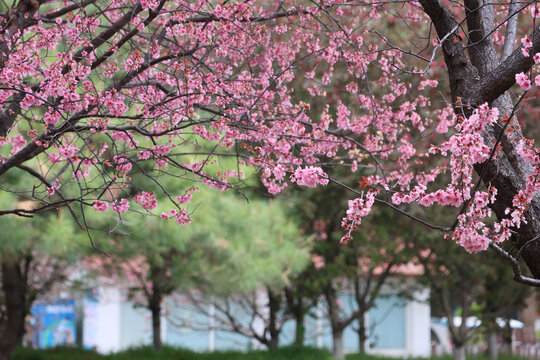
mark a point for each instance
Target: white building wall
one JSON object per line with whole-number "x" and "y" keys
{"x": 417, "y": 325}
{"x": 108, "y": 320}
{"x": 117, "y": 325}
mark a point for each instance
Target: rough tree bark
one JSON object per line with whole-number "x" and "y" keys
{"x": 481, "y": 78}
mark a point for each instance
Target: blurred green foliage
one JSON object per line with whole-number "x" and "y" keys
{"x": 170, "y": 353}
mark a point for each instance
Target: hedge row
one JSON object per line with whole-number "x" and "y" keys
{"x": 168, "y": 353}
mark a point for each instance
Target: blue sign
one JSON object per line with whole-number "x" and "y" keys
{"x": 54, "y": 323}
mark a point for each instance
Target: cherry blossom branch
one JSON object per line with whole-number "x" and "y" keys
{"x": 410, "y": 216}
{"x": 55, "y": 14}
{"x": 518, "y": 276}
{"x": 484, "y": 171}
{"x": 500, "y": 79}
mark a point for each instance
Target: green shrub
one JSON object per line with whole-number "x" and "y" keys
{"x": 59, "y": 353}
{"x": 170, "y": 353}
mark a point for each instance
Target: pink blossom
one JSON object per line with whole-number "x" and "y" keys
{"x": 426, "y": 83}
{"x": 536, "y": 58}
{"x": 103, "y": 149}
{"x": 51, "y": 117}
{"x": 160, "y": 163}
{"x": 123, "y": 164}
{"x": 535, "y": 11}
{"x": 81, "y": 174}
{"x": 149, "y": 4}
{"x": 100, "y": 205}
{"x": 358, "y": 208}
{"x": 68, "y": 150}
{"x": 182, "y": 217}
{"x": 17, "y": 143}
{"x": 54, "y": 158}
{"x": 146, "y": 200}
{"x": 471, "y": 240}
{"x": 537, "y": 80}
{"x": 120, "y": 206}
{"x": 50, "y": 191}
{"x": 318, "y": 261}
{"x": 526, "y": 41}
{"x": 309, "y": 176}
{"x": 144, "y": 155}
{"x": 523, "y": 81}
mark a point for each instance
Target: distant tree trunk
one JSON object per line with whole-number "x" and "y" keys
{"x": 507, "y": 338}
{"x": 362, "y": 333}
{"x": 337, "y": 341}
{"x": 336, "y": 323}
{"x": 274, "y": 305}
{"x": 300, "y": 330}
{"x": 459, "y": 352}
{"x": 492, "y": 346}
{"x": 154, "y": 305}
{"x": 295, "y": 304}
{"x": 14, "y": 288}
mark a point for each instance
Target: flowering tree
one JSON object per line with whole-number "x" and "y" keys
{"x": 93, "y": 92}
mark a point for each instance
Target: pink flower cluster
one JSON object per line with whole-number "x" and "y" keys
{"x": 472, "y": 232}
{"x": 123, "y": 164}
{"x": 188, "y": 195}
{"x": 100, "y": 205}
{"x": 310, "y": 176}
{"x": 523, "y": 81}
{"x": 181, "y": 216}
{"x": 120, "y": 206}
{"x": 146, "y": 200}
{"x": 358, "y": 208}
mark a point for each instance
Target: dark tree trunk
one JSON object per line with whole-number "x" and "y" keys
{"x": 14, "y": 288}
{"x": 156, "y": 327}
{"x": 362, "y": 333}
{"x": 296, "y": 306}
{"x": 154, "y": 305}
{"x": 300, "y": 330}
{"x": 274, "y": 304}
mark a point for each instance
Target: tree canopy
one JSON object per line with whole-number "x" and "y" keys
{"x": 95, "y": 92}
